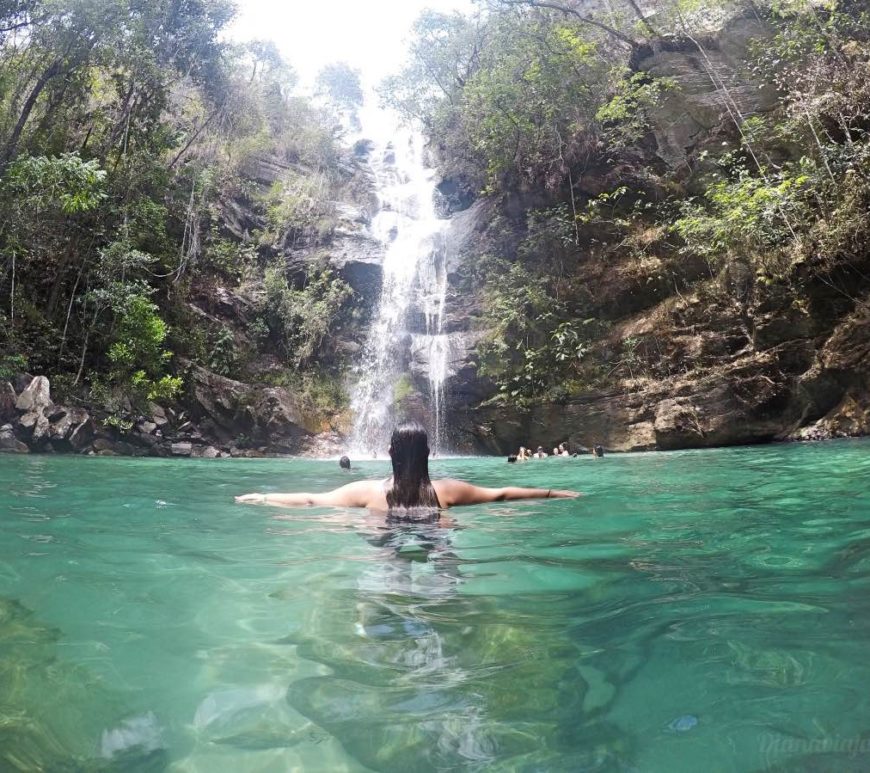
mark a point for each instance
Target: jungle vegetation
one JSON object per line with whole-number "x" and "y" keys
{"x": 132, "y": 144}
{"x": 132, "y": 135}
{"x": 550, "y": 109}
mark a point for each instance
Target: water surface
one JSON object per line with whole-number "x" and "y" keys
{"x": 703, "y": 610}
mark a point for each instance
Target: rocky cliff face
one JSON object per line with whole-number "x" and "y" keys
{"x": 738, "y": 376}
{"x": 221, "y": 417}
{"x": 723, "y": 360}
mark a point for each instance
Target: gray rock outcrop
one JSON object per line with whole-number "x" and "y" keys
{"x": 267, "y": 416}
{"x": 8, "y": 398}
{"x": 9, "y": 443}
{"x": 36, "y": 398}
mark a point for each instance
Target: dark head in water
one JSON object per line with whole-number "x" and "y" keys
{"x": 344, "y": 463}
{"x": 512, "y": 458}
{"x": 409, "y": 453}
{"x": 598, "y": 451}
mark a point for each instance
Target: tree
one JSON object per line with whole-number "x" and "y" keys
{"x": 340, "y": 83}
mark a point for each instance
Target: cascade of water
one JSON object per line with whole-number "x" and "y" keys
{"x": 414, "y": 288}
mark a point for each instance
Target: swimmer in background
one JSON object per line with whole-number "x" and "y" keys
{"x": 344, "y": 463}
{"x": 524, "y": 454}
{"x": 410, "y": 488}
{"x": 563, "y": 449}
{"x": 540, "y": 453}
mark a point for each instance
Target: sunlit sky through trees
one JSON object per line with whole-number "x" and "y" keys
{"x": 369, "y": 35}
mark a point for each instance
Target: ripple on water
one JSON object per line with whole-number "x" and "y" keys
{"x": 726, "y": 586}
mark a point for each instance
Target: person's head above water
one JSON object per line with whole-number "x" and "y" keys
{"x": 409, "y": 453}
{"x": 344, "y": 463}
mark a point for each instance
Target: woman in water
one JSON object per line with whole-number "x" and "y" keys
{"x": 409, "y": 488}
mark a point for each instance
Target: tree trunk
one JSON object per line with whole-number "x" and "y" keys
{"x": 642, "y": 19}
{"x": 12, "y": 144}
{"x": 568, "y": 11}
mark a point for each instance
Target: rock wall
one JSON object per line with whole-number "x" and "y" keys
{"x": 743, "y": 374}
{"x": 753, "y": 364}
{"x": 223, "y": 418}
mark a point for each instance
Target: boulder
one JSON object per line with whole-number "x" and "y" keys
{"x": 269, "y": 416}
{"x": 182, "y": 449}
{"x": 676, "y": 421}
{"x": 7, "y": 402}
{"x": 36, "y": 397}
{"x": 147, "y": 427}
{"x": 34, "y": 426}
{"x": 63, "y": 423}
{"x": 81, "y": 436}
{"x": 20, "y": 381}
{"x": 142, "y": 440}
{"x": 205, "y": 452}
{"x": 9, "y": 444}
{"x": 158, "y": 415}
{"x": 325, "y": 444}
{"x": 247, "y": 453}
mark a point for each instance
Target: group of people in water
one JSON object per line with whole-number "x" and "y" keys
{"x": 524, "y": 454}
{"x": 409, "y": 493}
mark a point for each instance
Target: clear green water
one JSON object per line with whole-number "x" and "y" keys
{"x": 695, "y": 611}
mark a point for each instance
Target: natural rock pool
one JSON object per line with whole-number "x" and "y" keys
{"x": 704, "y": 610}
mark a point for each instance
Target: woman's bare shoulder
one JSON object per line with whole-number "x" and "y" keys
{"x": 361, "y": 493}
{"x": 454, "y": 492}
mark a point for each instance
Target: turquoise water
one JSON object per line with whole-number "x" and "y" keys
{"x": 694, "y": 611}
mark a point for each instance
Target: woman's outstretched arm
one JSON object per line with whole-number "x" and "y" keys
{"x": 356, "y": 494}
{"x": 458, "y": 492}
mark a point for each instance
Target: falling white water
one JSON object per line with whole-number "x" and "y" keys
{"x": 414, "y": 288}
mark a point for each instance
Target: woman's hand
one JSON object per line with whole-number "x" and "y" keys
{"x": 251, "y": 499}
{"x": 564, "y": 494}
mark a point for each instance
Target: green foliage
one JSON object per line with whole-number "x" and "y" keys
{"x": 139, "y": 337}
{"x": 226, "y": 257}
{"x": 118, "y": 422}
{"x": 520, "y": 111}
{"x": 298, "y": 208}
{"x": 64, "y": 183}
{"x": 519, "y": 95}
{"x": 303, "y": 319}
{"x": 10, "y": 364}
{"x": 320, "y": 391}
{"x": 129, "y": 135}
{"x": 341, "y": 84}
{"x": 160, "y": 389}
{"x": 222, "y": 358}
{"x": 136, "y": 353}
{"x": 742, "y": 215}
{"x": 626, "y": 115}
{"x": 534, "y": 346}
{"x": 444, "y": 52}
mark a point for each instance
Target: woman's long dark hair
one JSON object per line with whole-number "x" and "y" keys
{"x": 409, "y": 452}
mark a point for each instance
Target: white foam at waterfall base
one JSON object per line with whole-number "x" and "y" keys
{"x": 413, "y": 282}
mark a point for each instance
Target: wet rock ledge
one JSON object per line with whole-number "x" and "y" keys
{"x": 222, "y": 417}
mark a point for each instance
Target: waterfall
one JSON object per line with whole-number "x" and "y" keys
{"x": 406, "y": 333}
